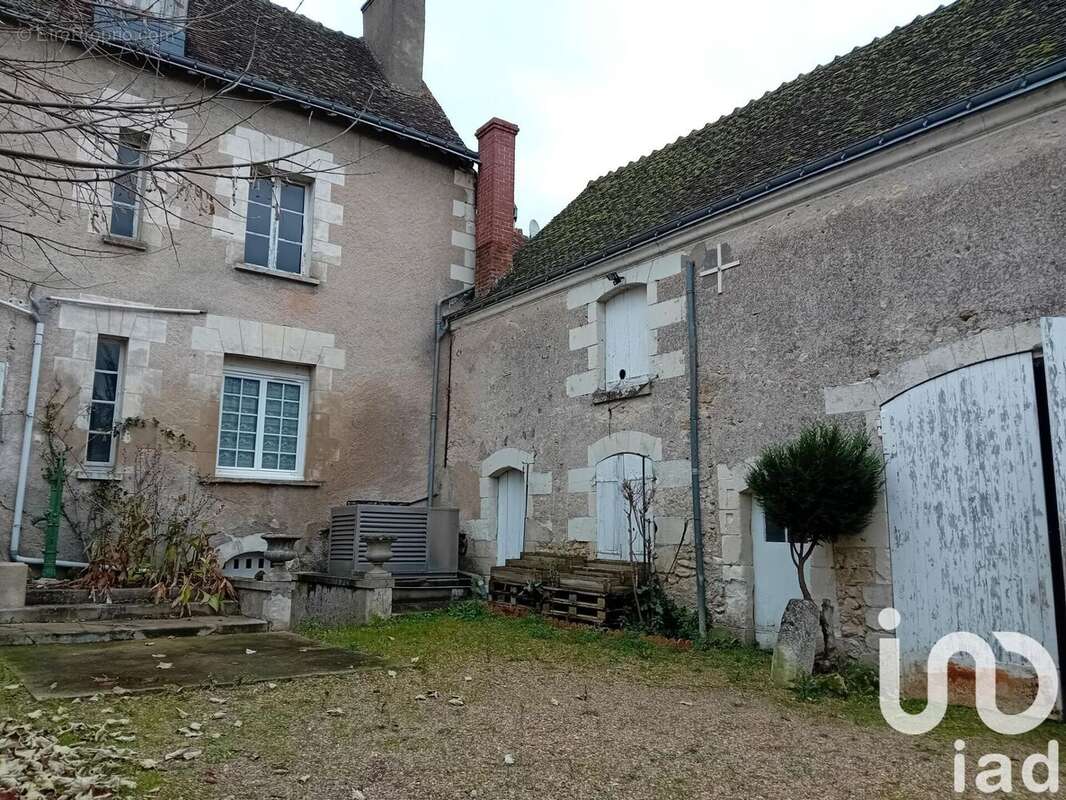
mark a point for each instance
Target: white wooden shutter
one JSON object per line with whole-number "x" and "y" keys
{"x": 612, "y": 517}
{"x": 626, "y": 336}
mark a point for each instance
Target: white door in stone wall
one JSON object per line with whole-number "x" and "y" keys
{"x": 615, "y": 536}
{"x": 776, "y": 581}
{"x": 967, "y": 512}
{"x": 510, "y": 515}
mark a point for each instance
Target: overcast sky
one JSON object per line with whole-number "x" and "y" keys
{"x": 594, "y": 84}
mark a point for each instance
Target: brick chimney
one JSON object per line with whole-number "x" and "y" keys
{"x": 494, "y": 232}
{"x": 395, "y": 31}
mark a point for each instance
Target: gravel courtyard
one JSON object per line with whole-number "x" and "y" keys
{"x": 482, "y": 706}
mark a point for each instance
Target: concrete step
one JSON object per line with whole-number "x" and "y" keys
{"x": 23, "y": 633}
{"x": 102, "y": 612}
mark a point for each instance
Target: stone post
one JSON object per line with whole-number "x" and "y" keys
{"x": 13, "y": 577}
{"x": 797, "y": 642}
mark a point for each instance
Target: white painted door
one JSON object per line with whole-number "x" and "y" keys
{"x": 616, "y": 535}
{"x": 776, "y": 581}
{"x": 626, "y": 336}
{"x": 967, "y": 512}
{"x": 510, "y": 515}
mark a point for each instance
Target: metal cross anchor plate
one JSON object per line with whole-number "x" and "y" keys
{"x": 721, "y": 254}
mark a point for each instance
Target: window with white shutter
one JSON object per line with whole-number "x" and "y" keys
{"x": 626, "y": 337}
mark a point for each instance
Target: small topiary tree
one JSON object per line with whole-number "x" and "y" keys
{"x": 820, "y": 487}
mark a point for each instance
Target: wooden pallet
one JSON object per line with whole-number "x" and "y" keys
{"x": 568, "y": 587}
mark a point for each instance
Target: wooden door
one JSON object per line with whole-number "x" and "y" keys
{"x": 776, "y": 581}
{"x": 968, "y": 523}
{"x": 510, "y": 515}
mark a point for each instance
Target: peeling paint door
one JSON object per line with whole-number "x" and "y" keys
{"x": 968, "y": 522}
{"x": 614, "y": 539}
{"x": 776, "y": 581}
{"x": 510, "y": 515}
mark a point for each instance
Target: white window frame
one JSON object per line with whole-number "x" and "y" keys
{"x": 276, "y": 178}
{"x": 613, "y": 381}
{"x": 137, "y": 205}
{"x": 116, "y": 414}
{"x": 263, "y": 376}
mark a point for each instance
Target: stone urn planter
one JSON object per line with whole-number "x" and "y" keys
{"x": 797, "y": 643}
{"x": 378, "y": 552}
{"x": 281, "y": 549}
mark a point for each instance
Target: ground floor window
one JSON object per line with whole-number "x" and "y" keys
{"x": 262, "y": 426}
{"x": 104, "y": 405}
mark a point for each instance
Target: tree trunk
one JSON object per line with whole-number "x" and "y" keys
{"x": 800, "y": 554}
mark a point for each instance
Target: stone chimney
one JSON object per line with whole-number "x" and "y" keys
{"x": 494, "y": 232}
{"x": 395, "y": 31}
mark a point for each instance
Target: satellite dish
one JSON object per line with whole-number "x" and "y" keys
{"x": 534, "y": 228}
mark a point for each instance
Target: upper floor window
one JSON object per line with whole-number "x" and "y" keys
{"x": 626, "y": 336}
{"x": 262, "y": 425}
{"x": 104, "y": 407}
{"x": 126, "y": 188}
{"x": 153, "y": 24}
{"x": 277, "y": 224}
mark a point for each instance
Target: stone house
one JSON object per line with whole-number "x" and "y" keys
{"x": 287, "y": 329}
{"x": 875, "y": 242}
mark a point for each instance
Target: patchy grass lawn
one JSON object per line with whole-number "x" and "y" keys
{"x": 484, "y": 706}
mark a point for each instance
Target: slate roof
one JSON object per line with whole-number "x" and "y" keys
{"x": 271, "y": 43}
{"x": 950, "y": 54}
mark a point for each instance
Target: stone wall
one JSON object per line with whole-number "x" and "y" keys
{"x": 871, "y": 276}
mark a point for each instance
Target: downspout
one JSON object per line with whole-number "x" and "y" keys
{"x": 440, "y": 327}
{"x": 27, "y": 438}
{"x": 694, "y": 444}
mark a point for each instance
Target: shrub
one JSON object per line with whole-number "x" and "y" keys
{"x": 820, "y": 487}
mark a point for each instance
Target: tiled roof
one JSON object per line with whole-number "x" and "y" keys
{"x": 950, "y": 54}
{"x": 269, "y": 43}
{"x": 279, "y": 45}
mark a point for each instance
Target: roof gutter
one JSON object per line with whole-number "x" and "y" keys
{"x": 261, "y": 85}
{"x": 1026, "y": 83}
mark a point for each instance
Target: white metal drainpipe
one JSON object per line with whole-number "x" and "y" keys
{"x": 27, "y": 439}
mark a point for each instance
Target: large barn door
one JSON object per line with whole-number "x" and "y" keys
{"x": 968, "y": 520}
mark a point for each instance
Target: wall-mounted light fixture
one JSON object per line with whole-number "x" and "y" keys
{"x": 615, "y": 278}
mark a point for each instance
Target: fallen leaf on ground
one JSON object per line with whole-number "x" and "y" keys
{"x": 686, "y": 702}
{"x": 391, "y": 673}
{"x": 159, "y": 655}
{"x": 508, "y": 759}
{"x": 335, "y": 712}
{"x": 249, "y": 651}
{"x": 218, "y": 700}
{"x": 456, "y": 701}
{"x": 164, "y": 665}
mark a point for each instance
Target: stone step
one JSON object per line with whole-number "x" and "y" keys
{"x": 52, "y": 596}
{"x": 407, "y": 600}
{"x": 23, "y": 633}
{"x": 102, "y": 612}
